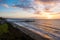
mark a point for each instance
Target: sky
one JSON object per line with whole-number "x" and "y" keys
{"x": 43, "y": 9}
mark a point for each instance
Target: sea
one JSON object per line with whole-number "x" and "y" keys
{"x": 50, "y": 26}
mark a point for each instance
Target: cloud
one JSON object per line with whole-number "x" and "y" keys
{"x": 25, "y": 4}
{"x": 14, "y": 7}
{"x": 48, "y": 0}
{"x": 5, "y": 5}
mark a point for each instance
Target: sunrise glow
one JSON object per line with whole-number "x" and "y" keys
{"x": 49, "y": 16}
{"x": 48, "y": 10}
{"x": 30, "y": 8}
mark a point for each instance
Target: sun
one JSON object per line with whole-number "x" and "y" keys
{"x": 47, "y": 15}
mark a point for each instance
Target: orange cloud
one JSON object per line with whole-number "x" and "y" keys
{"x": 47, "y": 1}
